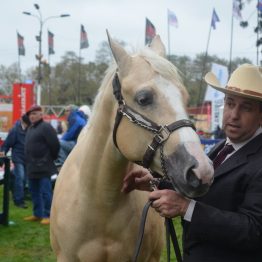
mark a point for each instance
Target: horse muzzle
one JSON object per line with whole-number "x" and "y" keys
{"x": 190, "y": 175}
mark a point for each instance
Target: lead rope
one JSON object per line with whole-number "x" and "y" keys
{"x": 170, "y": 232}
{"x": 141, "y": 230}
{"x": 170, "y": 229}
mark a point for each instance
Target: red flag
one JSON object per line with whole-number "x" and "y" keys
{"x": 83, "y": 38}
{"x": 150, "y": 31}
{"x": 50, "y": 43}
{"x": 20, "y": 43}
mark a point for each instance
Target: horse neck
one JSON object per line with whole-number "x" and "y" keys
{"x": 103, "y": 166}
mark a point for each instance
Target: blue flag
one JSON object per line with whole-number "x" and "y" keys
{"x": 259, "y": 5}
{"x": 214, "y": 19}
{"x": 172, "y": 19}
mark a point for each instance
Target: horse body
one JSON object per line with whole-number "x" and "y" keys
{"x": 91, "y": 219}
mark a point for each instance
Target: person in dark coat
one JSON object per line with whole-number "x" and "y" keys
{"x": 15, "y": 141}
{"x": 41, "y": 149}
{"x": 225, "y": 225}
{"x": 219, "y": 133}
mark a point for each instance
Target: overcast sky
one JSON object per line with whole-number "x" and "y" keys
{"x": 125, "y": 20}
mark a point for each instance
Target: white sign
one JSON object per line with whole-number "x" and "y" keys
{"x": 216, "y": 97}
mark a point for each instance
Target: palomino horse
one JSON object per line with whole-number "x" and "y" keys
{"x": 91, "y": 220}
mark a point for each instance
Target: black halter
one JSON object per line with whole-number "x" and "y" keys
{"x": 162, "y": 132}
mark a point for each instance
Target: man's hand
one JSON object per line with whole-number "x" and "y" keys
{"x": 137, "y": 179}
{"x": 169, "y": 203}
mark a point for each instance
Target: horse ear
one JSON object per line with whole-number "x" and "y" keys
{"x": 122, "y": 58}
{"x": 157, "y": 46}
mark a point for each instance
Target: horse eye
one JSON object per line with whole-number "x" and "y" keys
{"x": 144, "y": 98}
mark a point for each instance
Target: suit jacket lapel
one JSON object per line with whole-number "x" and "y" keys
{"x": 238, "y": 158}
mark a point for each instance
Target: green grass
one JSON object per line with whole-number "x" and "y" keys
{"x": 24, "y": 241}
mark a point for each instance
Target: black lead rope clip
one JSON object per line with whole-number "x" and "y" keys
{"x": 160, "y": 182}
{"x": 155, "y": 183}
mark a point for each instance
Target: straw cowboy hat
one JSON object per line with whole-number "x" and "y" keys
{"x": 245, "y": 81}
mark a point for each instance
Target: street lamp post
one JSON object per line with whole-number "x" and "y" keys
{"x": 39, "y": 56}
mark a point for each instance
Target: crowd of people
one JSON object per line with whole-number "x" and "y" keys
{"x": 36, "y": 152}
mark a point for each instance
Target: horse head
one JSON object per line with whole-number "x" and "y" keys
{"x": 152, "y": 126}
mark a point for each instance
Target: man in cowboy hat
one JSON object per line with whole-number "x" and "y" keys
{"x": 225, "y": 224}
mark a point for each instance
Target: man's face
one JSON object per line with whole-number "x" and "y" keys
{"x": 241, "y": 118}
{"x": 35, "y": 116}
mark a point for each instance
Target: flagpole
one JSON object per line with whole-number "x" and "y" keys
{"x": 231, "y": 41}
{"x": 49, "y": 79}
{"x": 204, "y": 65}
{"x": 18, "y": 64}
{"x": 19, "y": 69}
{"x": 79, "y": 76}
{"x": 168, "y": 35}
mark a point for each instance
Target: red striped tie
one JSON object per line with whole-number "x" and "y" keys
{"x": 227, "y": 149}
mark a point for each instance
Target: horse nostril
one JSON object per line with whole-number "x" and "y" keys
{"x": 192, "y": 179}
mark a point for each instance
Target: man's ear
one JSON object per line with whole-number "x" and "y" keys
{"x": 260, "y": 118}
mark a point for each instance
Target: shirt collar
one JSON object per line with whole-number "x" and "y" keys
{"x": 237, "y": 146}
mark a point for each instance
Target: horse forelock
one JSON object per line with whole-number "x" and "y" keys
{"x": 166, "y": 69}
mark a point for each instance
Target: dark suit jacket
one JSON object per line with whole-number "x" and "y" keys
{"x": 226, "y": 225}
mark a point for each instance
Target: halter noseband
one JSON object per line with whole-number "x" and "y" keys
{"x": 162, "y": 132}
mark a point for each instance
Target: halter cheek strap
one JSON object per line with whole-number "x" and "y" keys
{"x": 162, "y": 133}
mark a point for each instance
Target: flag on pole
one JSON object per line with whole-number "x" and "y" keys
{"x": 259, "y": 5}
{"x": 20, "y": 43}
{"x": 172, "y": 19}
{"x": 50, "y": 43}
{"x": 236, "y": 10}
{"x": 150, "y": 31}
{"x": 83, "y": 38}
{"x": 214, "y": 19}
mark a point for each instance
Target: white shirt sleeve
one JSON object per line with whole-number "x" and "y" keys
{"x": 190, "y": 210}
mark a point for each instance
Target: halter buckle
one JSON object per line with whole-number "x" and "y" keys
{"x": 128, "y": 116}
{"x": 124, "y": 112}
{"x": 163, "y": 134}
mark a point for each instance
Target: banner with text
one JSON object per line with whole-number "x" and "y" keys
{"x": 216, "y": 97}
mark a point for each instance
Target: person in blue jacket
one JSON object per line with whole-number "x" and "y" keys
{"x": 76, "y": 120}
{"x": 16, "y": 142}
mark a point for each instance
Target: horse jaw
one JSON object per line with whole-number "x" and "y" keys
{"x": 157, "y": 46}
{"x": 122, "y": 58}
